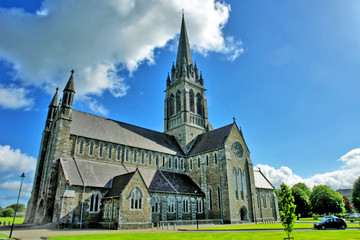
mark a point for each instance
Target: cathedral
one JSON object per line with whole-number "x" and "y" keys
{"x": 98, "y": 172}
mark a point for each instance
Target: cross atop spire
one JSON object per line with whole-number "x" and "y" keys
{"x": 184, "y": 46}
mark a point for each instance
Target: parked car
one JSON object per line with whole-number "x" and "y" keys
{"x": 329, "y": 216}
{"x": 331, "y": 223}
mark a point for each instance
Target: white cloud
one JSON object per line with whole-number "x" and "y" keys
{"x": 343, "y": 178}
{"x": 14, "y": 187}
{"x": 99, "y": 38}
{"x": 12, "y": 97}
{"x": 12, "y": 160}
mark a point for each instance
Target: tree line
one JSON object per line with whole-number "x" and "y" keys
{"x": 322, "y": 200}
{"x": 9, "y": 211}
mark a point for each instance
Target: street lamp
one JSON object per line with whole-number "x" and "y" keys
{"x": 12, "y": 226}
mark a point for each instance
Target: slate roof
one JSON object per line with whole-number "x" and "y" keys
{"x": 104, "y": 129}
{"x": 92, "y": 174}
{"x": 118, "y": 184}
{"x": 115, "y": 177}
{"x": 261, "y": 181}
{"x": 211, "y": 140}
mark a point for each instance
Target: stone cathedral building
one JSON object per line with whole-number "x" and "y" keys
{"x": 98, "y": 172}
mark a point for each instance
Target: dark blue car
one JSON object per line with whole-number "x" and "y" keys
{"x": 331, "y": 223}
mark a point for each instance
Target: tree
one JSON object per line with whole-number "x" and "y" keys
{"x": 20, "y": 207}
{"x": 304, "y": 188}
{"x": 324, "y": 200}
{"x": 287, "y": 208}
{"x": 355, "y": 195}
{"x": 7, "y": 212}
{"x": 348, "y": 206}
{"x": 302, "y": 201}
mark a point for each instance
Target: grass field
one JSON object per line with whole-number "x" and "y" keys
{"x": 4, "y": 236}
{"x": 272, "y": 226}
{"x": 18, "y": 220}
{"x": 312, "y": 235}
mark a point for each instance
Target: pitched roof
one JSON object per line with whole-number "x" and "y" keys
{"x": 115, "y": 177}
{"x": 210, "y": 140}
{"x": 261, "y": 181}
{"x": 172, "y": 182}
{"x": 104, "y": 129}
{"x": 90, "y": 173}
{"x": 118, "y": 184}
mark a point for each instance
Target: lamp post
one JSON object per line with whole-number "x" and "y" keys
{"x": 12, "y": 226}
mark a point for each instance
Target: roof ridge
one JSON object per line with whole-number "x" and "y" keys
{"x": 122, "y": 122}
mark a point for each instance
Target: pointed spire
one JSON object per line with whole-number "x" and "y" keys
{"x": 184, "y": 46}
{"x": 54, "y": 101}
{"x": 168, "y": 81}
{"x": 70, "y": 84}
{"x": 201, "y": 80}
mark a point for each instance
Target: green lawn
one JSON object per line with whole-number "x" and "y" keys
{"x": 4, "y": 236}
{"x": 315, "y": 235}
{"x": 271, "y": 226}
{"x": 18, "y": 220}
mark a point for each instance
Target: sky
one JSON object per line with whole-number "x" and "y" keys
{"x": 288, "y": 71}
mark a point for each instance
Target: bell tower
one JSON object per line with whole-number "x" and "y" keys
{"x": 185, "y": 102}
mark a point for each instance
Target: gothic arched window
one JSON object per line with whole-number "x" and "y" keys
{"x": 155, "y": 204}
{"x": 172, "y": 104}
{"x": 118, "y": 151}
{"x": 91, "y": 148}
{"x": 94, "y": 204}
{"x": 101, "y": 149}
{"x": 136, "y": 199}
{"x": 245, "y": 183}
{"x": 178, "y": 102}
{"x": 200, "y": 205}
{"x": 81, "y": 147}
{"x": 241, "y": 185}
{"x": 109, "y": 151}
{"x": 235, "y": 184}
{"x": 192, "y": 101}
{"x": 186, "y": 208}
{"x": 171, "y": 204}
{"x": 199, "y": 104}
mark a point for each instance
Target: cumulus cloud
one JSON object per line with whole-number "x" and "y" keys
{"x": 100, "y": 38}
{"x": 15, "y": 185}
{"x": 343, "y": 178}
{"x": 12, "y": 97}
{"x": 13, "y": 160}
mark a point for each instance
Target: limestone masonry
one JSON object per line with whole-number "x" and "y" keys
{"x": 98, "y": 172}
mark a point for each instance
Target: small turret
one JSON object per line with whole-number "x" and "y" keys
{"x": 173, "y": 72}
{"x": 196, "y": 73}
{"x": 68, "y": 96}
{"x": 168, "y": 81}
{"x": 69, "y": 92}
{"x": 201, "y": 80}
{"x": 52, "y": 110}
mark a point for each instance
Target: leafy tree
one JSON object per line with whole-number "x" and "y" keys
{"x": 7, "y": 212}
{"x": 348, "y": 206}
{"x": 303, "y": 187}
{"x": 302, "y": 201}
{"x": 355, "y": 195}
{"x": 324, "y": 200}
{"x": 287, "y": 208}
{"x": 20, "y": 207}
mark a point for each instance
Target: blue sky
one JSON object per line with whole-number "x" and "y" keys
{"x": 286, "y": 70}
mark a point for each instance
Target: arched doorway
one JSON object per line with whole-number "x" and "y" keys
{"x": 244, "y": 214}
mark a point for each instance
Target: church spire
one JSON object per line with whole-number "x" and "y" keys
{"x": 54, "y": 101}
{"x": 184, "y": 46}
